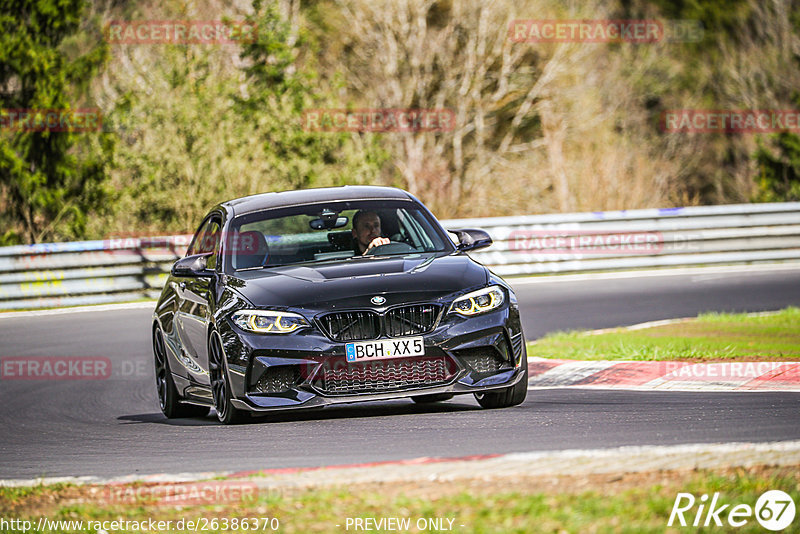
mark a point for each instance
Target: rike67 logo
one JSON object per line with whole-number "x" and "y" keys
{"x": 774, "y": 510}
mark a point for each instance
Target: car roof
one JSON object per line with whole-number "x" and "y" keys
{"x": 263, "y": 201}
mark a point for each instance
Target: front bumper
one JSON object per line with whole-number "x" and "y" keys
{"x": 308, "y": 370}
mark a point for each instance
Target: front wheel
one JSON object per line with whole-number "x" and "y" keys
{"x": 510, "y": 396}
{"x": 168, "y": 398}
{"x": 504, "y": 398}
{"x": 220, "y": 387}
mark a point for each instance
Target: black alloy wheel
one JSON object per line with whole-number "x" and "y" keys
{"x": 220, "y": 388}
{"x": 168, "y": 398}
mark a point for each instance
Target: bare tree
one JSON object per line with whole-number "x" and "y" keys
{"x": 423, "y": 54}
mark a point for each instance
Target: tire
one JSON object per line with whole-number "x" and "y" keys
{"x": 220, "y": 387}
{"x": 510, "y": 396}
{"x": 429, "y": 399}
{"x": 168, "y": 398}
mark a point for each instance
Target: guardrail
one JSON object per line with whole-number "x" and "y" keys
{"x": 123, "y": 269}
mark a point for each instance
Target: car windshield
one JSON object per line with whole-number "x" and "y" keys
{"x": 324, "y": 232}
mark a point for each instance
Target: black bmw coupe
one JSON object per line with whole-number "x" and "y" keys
{"x": 304, "y": 299}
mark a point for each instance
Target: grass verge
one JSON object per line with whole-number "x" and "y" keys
{"x": 634, "y": 502}
{"x": 709, "y": 337}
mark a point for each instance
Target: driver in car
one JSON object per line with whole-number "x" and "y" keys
{"x": 367, "y": 232}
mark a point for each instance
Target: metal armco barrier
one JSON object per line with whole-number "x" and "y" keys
{"x": 631, "y": 239}
{"x": 123, "y": 269}
{"x": 87, "y": 272}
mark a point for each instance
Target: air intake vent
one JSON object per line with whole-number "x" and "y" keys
{"x": 278, "y": 379}
{"x": 340, "y": 377}
{"x": 516, "y": 344}
{"x": 483, "y": 360}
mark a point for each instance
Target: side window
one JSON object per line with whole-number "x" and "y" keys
{"x": 211, "y": 242}
{"x": 207, "y": 240}
{"x": 198, "y": 239}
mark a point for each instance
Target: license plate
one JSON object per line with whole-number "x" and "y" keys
{"x": 362, "y": 351}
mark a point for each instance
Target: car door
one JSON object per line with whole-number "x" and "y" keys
{"x": 193, "y": 301}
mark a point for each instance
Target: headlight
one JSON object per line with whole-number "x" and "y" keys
{"x": 268, "y": 321}
{"x": 481, "y": 301}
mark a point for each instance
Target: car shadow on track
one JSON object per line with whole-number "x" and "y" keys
{"x": 361, "y": 410}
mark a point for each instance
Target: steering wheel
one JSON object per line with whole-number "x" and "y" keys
{"x": 391, "y": 248}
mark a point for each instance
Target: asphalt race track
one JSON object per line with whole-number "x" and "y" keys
{"x": 113, "y": 427}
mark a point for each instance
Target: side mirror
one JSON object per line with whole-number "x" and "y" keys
{"x": 472, "y": 239}
{"x": 192, "y": 266}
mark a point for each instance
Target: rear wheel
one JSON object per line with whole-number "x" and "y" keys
{"x": 428, "y": 399}
{"x": 168, "y": 398}
{"x": 510, "y": 396}
{"x": 227, "y": 413}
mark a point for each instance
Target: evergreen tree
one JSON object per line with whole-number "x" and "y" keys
{"x": 50, "y": 181}
{"x": 779, "y": 168}
{"x": 281, "y": 88}
{"x": 778, "y": 158}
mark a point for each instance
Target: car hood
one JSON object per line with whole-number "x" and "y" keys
{"x": 351, "y": 284}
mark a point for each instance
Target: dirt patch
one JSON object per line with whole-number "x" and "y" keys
{"x": 46, "y": 501}
{"x": 608, "y": 484}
